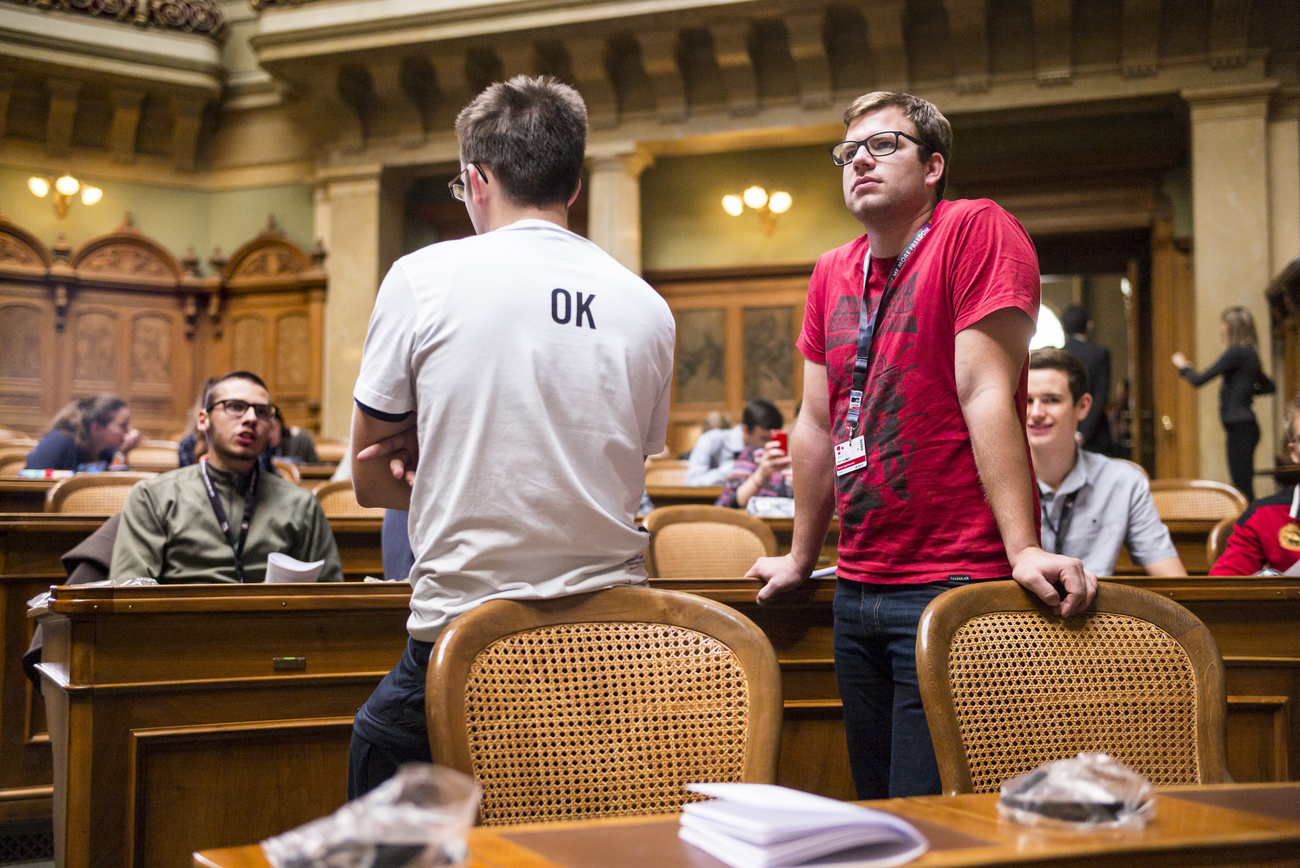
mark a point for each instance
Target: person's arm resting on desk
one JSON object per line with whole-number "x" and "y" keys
{"x": 989, "y": 357}
{"x": 812, "y": 452}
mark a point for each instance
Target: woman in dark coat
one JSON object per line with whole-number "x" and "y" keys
{"x": 1243, "y": 379}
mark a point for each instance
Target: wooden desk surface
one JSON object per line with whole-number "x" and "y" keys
{"x": 1229, "y": 825}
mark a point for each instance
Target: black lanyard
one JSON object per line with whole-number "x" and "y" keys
{"x": 867, "y": 325}
{"x": 250, "y": 501}
{"x": 1063, "y": 525}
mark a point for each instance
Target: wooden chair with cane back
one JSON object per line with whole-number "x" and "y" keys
{"x": 666, "y": 471}
{"x": 1217, "y": 541}
{"x": 705, "y": 542}
{"x": 93, "y": 493}
{"x": 602, "y": 704}
{"x": 339, "y": 500}
{"x": 156, "y": 456}
{"x": 287, "y": 469}
{"x": 12, "y": 460}
{"x": 1196, "y": 499}
{"x": 1008, "y": 686}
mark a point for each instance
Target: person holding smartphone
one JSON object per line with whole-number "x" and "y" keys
{"x": 761, "y": 471}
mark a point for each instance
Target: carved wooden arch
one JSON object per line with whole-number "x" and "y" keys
{"x": 126, "y": 257}
{"x": 271, "y": 262}
{"x": 21, "y": 254}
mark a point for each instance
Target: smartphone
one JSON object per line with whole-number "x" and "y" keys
{"x": 783, "y": 440}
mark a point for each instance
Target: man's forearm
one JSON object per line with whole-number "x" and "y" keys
{"x": 998, "y": 441}
{"x": 372, "y": 478}
{"x": 814, "y": 492}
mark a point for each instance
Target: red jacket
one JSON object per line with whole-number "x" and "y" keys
{"x": 1256, "y": 540}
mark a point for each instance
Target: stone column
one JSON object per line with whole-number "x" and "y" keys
{"x": 1232, "y": 241}
{"x": 348, "y": 224}
{"x": 614, "y": 201}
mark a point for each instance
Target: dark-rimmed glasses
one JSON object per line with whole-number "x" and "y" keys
{"x": 457, "y": 184}
{"x": 235, "y": 409}
{"x": 880, "y": 144}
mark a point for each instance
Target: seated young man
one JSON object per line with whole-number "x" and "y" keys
{"x": 1267, "y": 535}
{"x": 220, "y": 519}
{"x": 1091, "y": 505}
{"x": 716, "y": 451}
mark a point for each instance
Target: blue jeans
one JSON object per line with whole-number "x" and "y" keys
{"x": 875, "y": 665}
{"x": 390, "y": 728}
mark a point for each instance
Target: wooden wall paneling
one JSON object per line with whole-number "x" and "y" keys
{"x": 1177, "y": 441}
{"x": 29, "y": 361}
{"x": 712, "y": 307}
{"x": 272, "y": 292}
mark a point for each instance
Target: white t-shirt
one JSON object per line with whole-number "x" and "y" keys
{"x": 539, "y": 369}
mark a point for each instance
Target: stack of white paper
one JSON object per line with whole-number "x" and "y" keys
{"x": 762, "y": 826}
{"x": 282, "y": 569}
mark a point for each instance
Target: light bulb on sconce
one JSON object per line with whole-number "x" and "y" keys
{"x": 758, "y": 199}
{"x": 62, "y": 190}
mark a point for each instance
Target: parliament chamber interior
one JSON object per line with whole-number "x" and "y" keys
{"x": 190, "y": 187}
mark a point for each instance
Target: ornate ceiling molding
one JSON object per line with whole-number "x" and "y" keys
{"x": 187, "y": 16}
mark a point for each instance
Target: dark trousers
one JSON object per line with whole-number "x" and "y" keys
{"x": 875, "y": 664}
{"x": 390, "y": 728}
{"x": 1243, "y": 437}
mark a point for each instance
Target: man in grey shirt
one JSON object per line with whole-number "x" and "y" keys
{"x": 1091, "y": 505}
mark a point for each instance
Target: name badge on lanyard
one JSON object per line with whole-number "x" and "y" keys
{"x": 851, "y": 454}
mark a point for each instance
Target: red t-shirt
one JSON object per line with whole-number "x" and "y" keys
{"x": 917, "y": 511}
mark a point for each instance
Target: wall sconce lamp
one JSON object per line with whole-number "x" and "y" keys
{"x": 63, "y": 189}
{"x": 757, "y": 199}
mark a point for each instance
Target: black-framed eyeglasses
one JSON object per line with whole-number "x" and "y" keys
{"x": 235, "y": 409}
{"x": 880, "y": 144}
{"x": 457, "y": 184}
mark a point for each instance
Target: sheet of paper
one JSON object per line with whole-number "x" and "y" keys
{"x": 282, "y": 569}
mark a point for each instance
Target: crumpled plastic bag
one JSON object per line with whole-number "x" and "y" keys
{"x": 1090, "y": 790}
{"x": 416, "y": 819}
{"x": 43, "y": 597}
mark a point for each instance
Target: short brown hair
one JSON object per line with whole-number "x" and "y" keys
{"x": 932, "y": 128}
{"x": 532, "y": 134}
{"x": 1054, "y": 359}
{"x": 1241, "y": 327}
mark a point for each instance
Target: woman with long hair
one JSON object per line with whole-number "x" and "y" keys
{"x": 87, "y": 434}
{"x": 1243, "y": 379}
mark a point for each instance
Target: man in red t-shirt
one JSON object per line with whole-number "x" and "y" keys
{"x": 932, "y": 478}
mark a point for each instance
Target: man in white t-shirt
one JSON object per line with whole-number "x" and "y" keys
{"x": 511, "y": 386}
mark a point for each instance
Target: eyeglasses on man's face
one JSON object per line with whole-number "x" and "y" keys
{"x": 880, "y": 144}
{"x": 235, "y": 409}
{"x": 457, "y": 184}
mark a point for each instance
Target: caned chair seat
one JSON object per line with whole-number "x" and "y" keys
{"x": 703, "y": 542}
{"x": 602, "y": 704}
{"x": 666, "y": 471}
{"x": 340, "y": 501}
{"x": 1191, "y": 499}
{"x": 93, "y": 493}
{"x": 1008, "y": 686}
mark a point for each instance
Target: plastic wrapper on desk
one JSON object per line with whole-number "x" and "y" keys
{"x": 416, "y": 819}
{"x": 1091, "y": 790}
